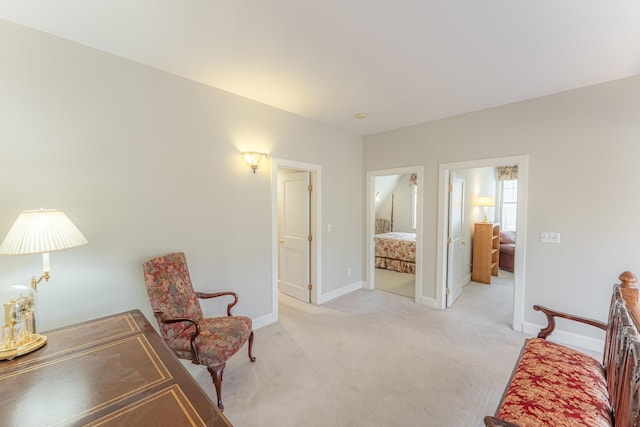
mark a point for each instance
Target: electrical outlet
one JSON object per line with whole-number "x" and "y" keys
{"x": 547, "y": 237}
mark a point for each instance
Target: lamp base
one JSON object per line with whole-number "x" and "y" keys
{"x": 11, "y": 352}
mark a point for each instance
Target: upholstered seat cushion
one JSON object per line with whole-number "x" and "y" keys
{"x": 556, "y": 386}
{"x": 219, "y": 339}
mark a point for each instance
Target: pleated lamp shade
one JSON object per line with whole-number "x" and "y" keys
{"x": 41, "y": 231}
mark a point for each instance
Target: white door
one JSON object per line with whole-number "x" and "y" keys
{"x": 294, "y": 232}
{"x": 454, "y": 253}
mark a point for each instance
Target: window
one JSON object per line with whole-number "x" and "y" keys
{"x": 509, "y": 204}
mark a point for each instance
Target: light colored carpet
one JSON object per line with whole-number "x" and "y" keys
{"x": 371, "y": 358}
{"x": 396, "y": 282}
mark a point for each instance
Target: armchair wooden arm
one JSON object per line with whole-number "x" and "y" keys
{"x": 195, "y": 356}
{"x": 205, "y": 295}
{"x": 551, "y": 323}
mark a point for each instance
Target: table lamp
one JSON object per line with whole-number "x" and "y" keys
{"x": 34, "y": 232}
{"x": 486, "y": 201}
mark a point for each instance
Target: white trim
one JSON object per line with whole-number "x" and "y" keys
{"x": 466, "y": 280}
{"x": 262, "y": 321}
{"x": 369, "y": 283}
{"x": 569, "y": 339}
{"x": 340, "y": 292}
{"x": 429, "y": 302}
{"x": 316, "y": 224}
{"x": 443, "y": 202}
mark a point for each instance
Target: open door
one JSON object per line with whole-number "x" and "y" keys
{"x": 442, "y": 267}
{"x": 455, "y": 241}
{"x": 294, "y": 235}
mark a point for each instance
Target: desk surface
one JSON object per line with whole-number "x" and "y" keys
{"x": 114, "y": 371}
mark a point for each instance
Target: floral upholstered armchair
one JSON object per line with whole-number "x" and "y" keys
{"x": 205, "y": 341}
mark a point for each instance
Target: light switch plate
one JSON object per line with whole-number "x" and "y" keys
{"x": 547, "y": 237}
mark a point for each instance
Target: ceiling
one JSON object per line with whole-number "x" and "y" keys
{"x": 401, "y": 62}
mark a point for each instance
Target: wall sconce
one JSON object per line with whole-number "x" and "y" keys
{"x": 254, "y": 159}
{"x": 377, "y": 196}
{"x": 486, "y": 201}
{"x": 34, "y": 232}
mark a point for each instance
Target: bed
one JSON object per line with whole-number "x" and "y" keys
{"x": 396, "y": 251}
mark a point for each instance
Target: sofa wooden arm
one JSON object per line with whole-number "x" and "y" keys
{"x": 205, "y": 295}
{"x": 161, "y": 317}
{"x": 497, "y": 422}
{"x": 551, "y": 323}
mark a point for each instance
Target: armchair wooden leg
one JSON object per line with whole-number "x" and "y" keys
{"x": 216, "y": 376}
{"x": 252, "y": 358}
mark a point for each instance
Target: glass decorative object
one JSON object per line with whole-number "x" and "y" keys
{"x": 18, "y": 334}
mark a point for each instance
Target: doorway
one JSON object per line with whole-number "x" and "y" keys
{"x": 303, "y": 260}
{"x": 446, "y": 170}
{"x": 410, "y": 222}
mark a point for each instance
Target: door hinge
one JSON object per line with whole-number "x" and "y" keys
{"x": 448, "y": 291}
{"x": 310, "y": 188}
{"x": 450, "y": 188}
{"x": 310, "y": 287}
{"x": 310, "y": 237}
{"x": 449, "y": 240}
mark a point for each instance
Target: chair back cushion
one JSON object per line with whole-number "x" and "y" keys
{"x": 169, "y": 287}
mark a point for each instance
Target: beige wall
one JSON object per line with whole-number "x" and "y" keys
{"x": 583, "y": 148}
{"x": 145, "y": 163}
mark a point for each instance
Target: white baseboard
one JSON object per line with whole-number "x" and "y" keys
{"x": 429, "y": 302}
{"x": 340, "y": 292}
{"x": 267, "y": 319}
{"x": 262, "y": 321}
{"x": 466, "y": 280}
{"x": 568, "y": 338}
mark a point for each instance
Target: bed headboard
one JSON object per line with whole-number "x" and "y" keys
{"x": 383, "y": 225}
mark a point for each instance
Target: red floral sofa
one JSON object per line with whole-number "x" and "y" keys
{"x": 553, "y": 385}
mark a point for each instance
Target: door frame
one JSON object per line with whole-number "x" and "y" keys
{"x": 521, "y": 225}
{"x": 316, "y": 230}
{"x": 370, "y": 222}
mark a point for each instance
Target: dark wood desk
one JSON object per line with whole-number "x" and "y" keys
{"x": 114, "y": 371}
